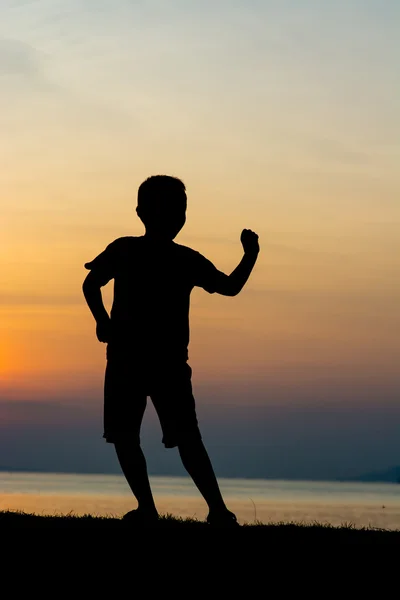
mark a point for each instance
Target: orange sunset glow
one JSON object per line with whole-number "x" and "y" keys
{"x": 272, "y": 124}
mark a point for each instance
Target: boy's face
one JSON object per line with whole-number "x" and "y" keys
{"x": 164, "y": 219}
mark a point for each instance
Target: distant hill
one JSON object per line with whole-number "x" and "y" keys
{"x": 391, "y": 475}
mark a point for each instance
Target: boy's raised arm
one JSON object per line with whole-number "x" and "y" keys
{"x": 232, "y": 284}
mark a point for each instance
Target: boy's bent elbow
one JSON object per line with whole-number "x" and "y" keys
{"x": 229, "y": 290}
{"x": 89, "y": 284}
{"x": 226, "y": 285}
{"x": 233, "y": 293}
{"x": 86, "y": 287}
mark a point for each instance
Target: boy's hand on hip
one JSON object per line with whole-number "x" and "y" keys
{"x": 103, "y": 330}
{"x": 249, "y": 241}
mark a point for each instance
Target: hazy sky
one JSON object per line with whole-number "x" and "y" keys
{"x": 281, "y": 116}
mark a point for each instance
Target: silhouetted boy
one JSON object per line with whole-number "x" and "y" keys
{"x": 148, "y": 336}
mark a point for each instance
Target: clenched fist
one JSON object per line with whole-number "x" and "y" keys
{"x": 249, "y": 241}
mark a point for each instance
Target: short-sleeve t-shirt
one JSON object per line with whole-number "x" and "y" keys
{"x": 152, "y": 286}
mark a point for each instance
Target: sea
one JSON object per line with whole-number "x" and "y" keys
{"x": 374, "y": 505}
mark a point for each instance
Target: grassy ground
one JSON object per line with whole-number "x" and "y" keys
{"x": 272, "y": 532}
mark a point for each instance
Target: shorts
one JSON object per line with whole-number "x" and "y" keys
{"x": 128, "y": 383}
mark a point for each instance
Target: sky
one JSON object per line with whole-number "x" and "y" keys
{"x": 279, "y": 116}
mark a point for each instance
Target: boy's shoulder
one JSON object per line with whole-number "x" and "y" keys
{"x": 124, "y": 243}
{"x": 127, "y": 240}
{"x": 186, "y": 251}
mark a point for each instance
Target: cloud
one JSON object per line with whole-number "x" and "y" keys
{"x": 336, "y": 151}
{"x": 28, "y": 299}
{"x": 18, "y": 58}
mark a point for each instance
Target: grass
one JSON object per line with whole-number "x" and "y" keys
{"x": 299, "y": 532}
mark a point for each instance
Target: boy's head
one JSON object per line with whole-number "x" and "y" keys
{"x": 162, "y": 205}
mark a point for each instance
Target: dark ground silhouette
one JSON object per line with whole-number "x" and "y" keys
{"x": 147, "y": 337}
{"x": 275, "y": 535}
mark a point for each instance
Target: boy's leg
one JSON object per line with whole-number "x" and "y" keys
{"x": 124, "y": 407}
{"x": 174, "y": 402}
{"x": 133, "y": 465}
{"x": 197, "y": 463}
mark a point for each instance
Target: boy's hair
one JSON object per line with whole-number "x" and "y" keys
{"x": 158, "y": 186}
